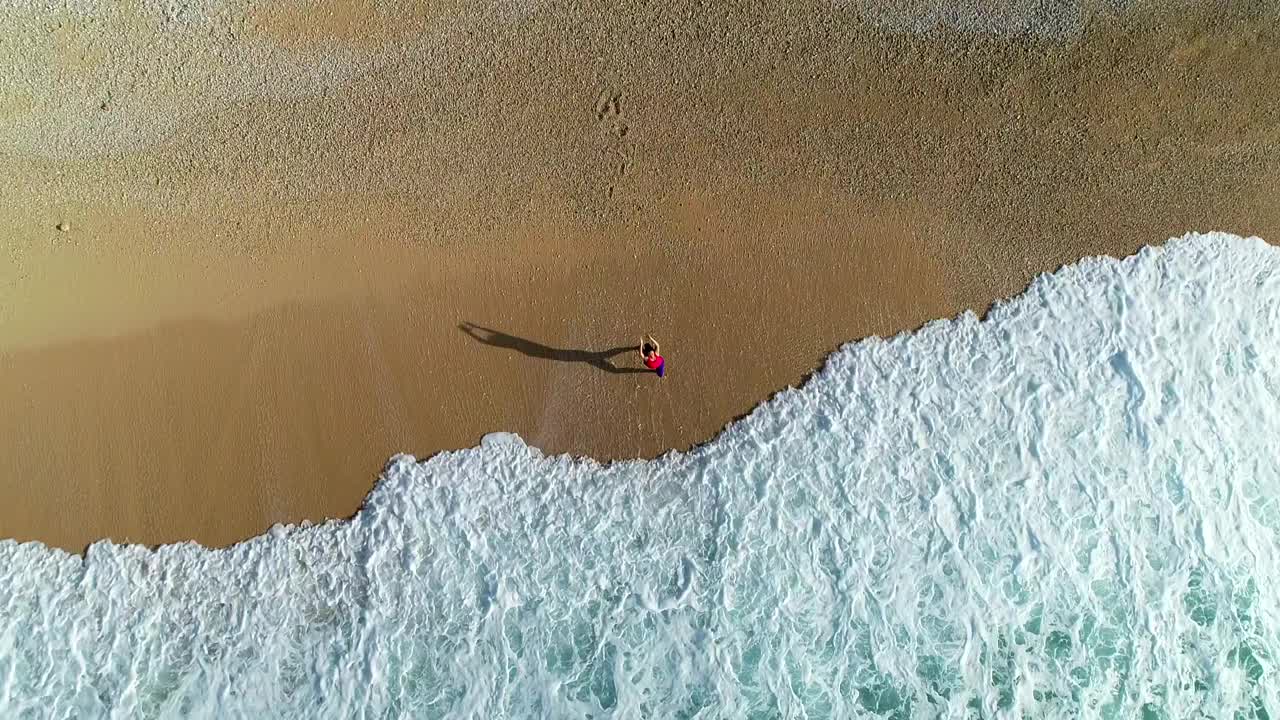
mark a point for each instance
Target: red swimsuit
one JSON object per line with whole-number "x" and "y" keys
{"x": 655, "y": 363}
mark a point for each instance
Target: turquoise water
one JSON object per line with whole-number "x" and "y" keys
{"x": 1068, "y": 510}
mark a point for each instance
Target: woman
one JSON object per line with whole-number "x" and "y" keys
{"x": 649, "y": 355}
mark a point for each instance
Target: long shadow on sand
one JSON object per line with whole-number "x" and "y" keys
{"x": 596, "y": 358}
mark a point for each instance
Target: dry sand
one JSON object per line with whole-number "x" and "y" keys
{"x": 274, "y": 222}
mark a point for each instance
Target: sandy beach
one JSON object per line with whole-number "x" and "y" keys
{"x": 242, "y": 248}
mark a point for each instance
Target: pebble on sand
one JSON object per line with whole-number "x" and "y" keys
{"x": 64, "y": 226}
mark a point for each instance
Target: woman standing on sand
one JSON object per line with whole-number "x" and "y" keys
{"x": 649, "y": 355}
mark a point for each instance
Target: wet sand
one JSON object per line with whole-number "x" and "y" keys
{"x": 268, "y": 253}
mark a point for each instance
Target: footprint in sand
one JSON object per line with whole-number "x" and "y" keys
{"x": 608, "y": 111}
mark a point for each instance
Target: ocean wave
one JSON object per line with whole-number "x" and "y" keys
{"x": 1066, "y": 510}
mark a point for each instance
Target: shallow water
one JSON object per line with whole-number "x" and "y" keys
{"x": 1068, "y": 510}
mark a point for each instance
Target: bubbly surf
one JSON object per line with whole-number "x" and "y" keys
{"x": 1066, "y": 510}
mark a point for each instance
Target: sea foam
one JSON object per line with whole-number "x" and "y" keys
{"x": 1066, "y": 510}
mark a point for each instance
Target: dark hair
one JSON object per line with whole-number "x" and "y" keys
{"x": 647, "y": 348}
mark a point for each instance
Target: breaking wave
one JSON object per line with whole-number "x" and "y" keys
{"x": 1066, "y": 510}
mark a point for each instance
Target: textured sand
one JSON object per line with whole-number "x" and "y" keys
{"x": 276, "y": 220}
